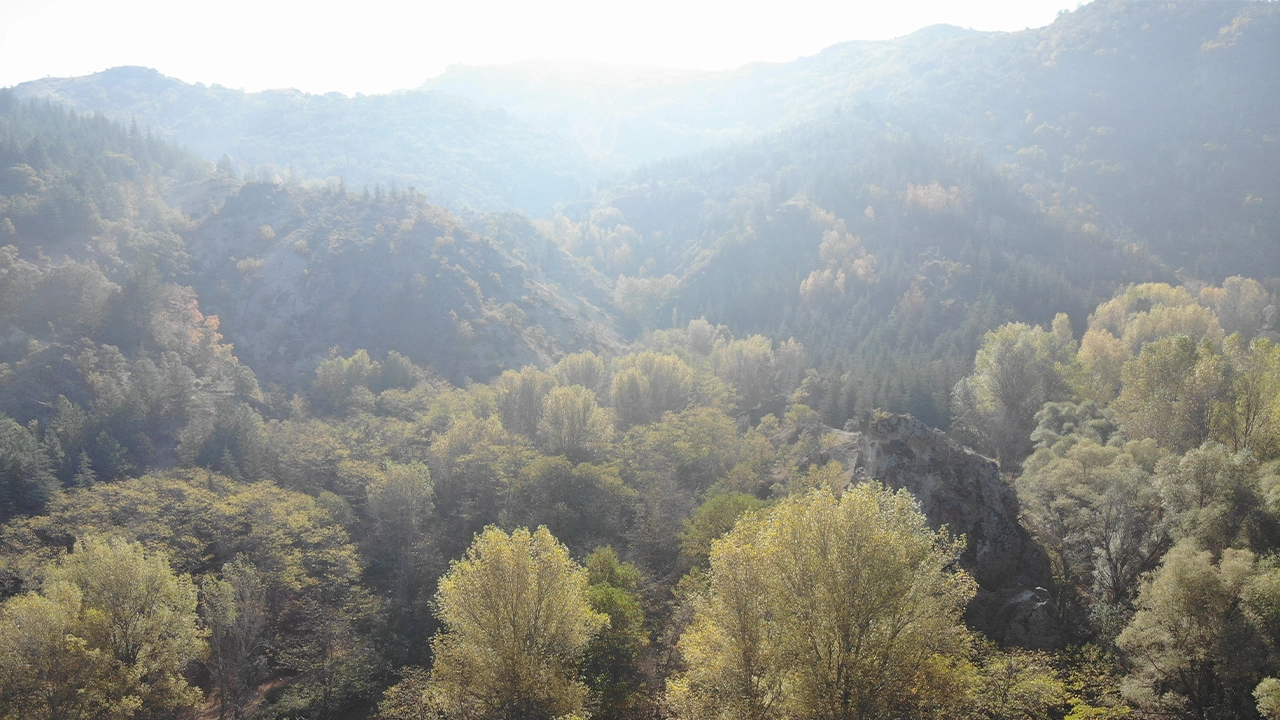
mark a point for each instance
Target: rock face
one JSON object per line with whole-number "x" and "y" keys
{"x": 965, "y": 492}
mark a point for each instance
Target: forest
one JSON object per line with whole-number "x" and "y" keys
{"x": 931, "y": 378}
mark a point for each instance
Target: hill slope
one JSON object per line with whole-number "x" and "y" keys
{"x": 460, "y": 154}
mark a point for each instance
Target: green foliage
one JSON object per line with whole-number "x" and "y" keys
{"x": 309, "y": 572}
{"x": 1249, "y": 416}
{"x": 584, "y": 504}
{"x": 400, "y": 508}
{"x": 110, "y": 637}
{"x": 826, "y": 607}
{"x": 1214, "y": 498}
{"x": 520, "y": 399}
{"x": 1017, "y": 685}
{"x": 671, "y": 463}
{"x": 233, "y": 610}
{"x": 1057, "y": 421}
{"x": 1096, "y": 509}
{"x": 902, "y": 258}
{"x": 48, "y": 669}
{"x": 407, "y": 699}
{"x": 713, "y": 518}
{"x": 517, "y": 617}
{"x": 649, "y": 385}
{"x": 1268, "y": 695}
{"x": 611, "y": 661}
{"x": 761, "y": 377}
{"x": 573, "y": 424}
{"x": 342, "y": 384}
{"x": 1017, "y": 370}
{"x": 1169, "y": 391}
{"x": 27, "y": 482}
{"x": 586, "y": 369}
{"x": 1193, "y": 650}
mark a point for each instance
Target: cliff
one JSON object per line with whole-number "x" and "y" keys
{"x": 965, "y": 492}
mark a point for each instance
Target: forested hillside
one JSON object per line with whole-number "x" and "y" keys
{"x": 970, "y": 195}
{"x": 934, "y": 378}
{"x": 460, "y": 154}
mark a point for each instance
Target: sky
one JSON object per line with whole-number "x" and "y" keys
{"x": 374, "y": 46}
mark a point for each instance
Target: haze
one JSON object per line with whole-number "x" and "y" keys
{"x": 381, "y": 46}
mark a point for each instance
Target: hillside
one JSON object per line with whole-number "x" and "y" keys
{"x": 1135, "y": 114}
{"x": 100, "y": 221}
{"x": 921, "y": 379}
{"x": 293, "y": 273}
{"x": 460, "y": 154}
{"x": 992, "y": 183}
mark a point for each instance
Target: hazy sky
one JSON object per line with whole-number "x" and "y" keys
{"x": 376, "y": 46}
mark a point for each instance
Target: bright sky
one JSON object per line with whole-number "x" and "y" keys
{"x": 376, "y": 45}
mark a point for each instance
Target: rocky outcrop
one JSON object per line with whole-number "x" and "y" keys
{"x": 965, "y": 492}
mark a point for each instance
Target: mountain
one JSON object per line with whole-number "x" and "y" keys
{"x": 884, "y": 202}
{"x": 294, "y": 272}
{"x": 460, "y": 154}
{"x": 285, "y": 401}
{"x": 1155, "y": 120}
{"x": 974, "y": 179}
{"x": 288, "y": 271}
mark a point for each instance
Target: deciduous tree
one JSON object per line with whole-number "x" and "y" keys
{"x": 516, "y": 618}
{"x": 826, "y": 607}
{"x": 1018, "y": 369}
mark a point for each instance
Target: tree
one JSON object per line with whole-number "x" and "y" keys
{"x": 671, "y": 463}
{"x": 631, "y": 397}
{"x": 748, "y": 366}
{"x": 233, "y": 609}
{"x": 573, "y": 424}
{"x": 342, "y": 384}
{"x": 520, "y": 396}
{"x": 1058, "y": 421}
{"x": 230, "y": 438}
{"x": 516, "y": 620}
{"x": 1268, "y": 696}
{"x": 1240, "y": 304}
{"x": 1145, "y": 312}
{"x": 585, "y": 369}
{"x": 1215, "y": 498}
{"x": 1120, "y": 327}
{"x": 610, "y": 663}
{"x": 583, "y": 505}
{"x": 1249, "y": 414}
{"x": 1192, "y": 651}
{"x": 826, "y": 607}
{"x": 713, "y": 518}
{"x": 400, "y": 503}
{"x": 309, "y": 570}
{"x": 397, "y": 372}
{"x": 146, "y": 619}
{"x": 1017, "y": 685}
{"x": 1017, "y": 370}
{"x": 1169, "y": 390}
{"x": 109, "y": 637}
{"x": 649, "y": 385}
{"x": 48, "y": 670}
{"x": 1096, "y": 511}
{"x": 27, "y": 481}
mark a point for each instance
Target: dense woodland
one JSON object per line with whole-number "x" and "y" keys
{"x": 275, "y": 444}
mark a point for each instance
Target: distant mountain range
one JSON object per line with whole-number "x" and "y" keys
{"x": 884, "y": 202}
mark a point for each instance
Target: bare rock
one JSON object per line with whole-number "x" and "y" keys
{"x": 964, "y": 492}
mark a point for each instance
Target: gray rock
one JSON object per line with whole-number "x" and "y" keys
{"x": 965, "y": 492}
